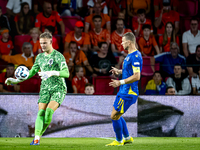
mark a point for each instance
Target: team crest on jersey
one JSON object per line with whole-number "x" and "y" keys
{"x": 136, "y": 55}
{"x": 50, "y": 62}
{"x": 8, "y": 45}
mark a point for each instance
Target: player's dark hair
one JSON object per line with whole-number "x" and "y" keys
{"x": 101, "y": 43}
{"x": 177, "y": 64}
{"x": 96, "y": 16}
{"x": 194, "y": 19}
{"x": 169, "y": 87}
{"x": 77, "y": 68}
{"x": 156, "y": 72}
{"x": 89, "y": 84}
{"x": 50, "y": 28}
{"x": 146, "y": 26}
{"x": 141, "y": 11}
{"x": 46, "y": 35}
{"x": 73, "y": 42}
{"x": 130, "y": 36}
{"x": 10, "y": 65}
{"x": 120, "y": 19}
{"x": 197, "y": 47}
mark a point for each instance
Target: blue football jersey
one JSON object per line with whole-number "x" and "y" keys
{"x": 132, "y": 64}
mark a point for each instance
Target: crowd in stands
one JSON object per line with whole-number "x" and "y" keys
{"x": 92, "y": 45}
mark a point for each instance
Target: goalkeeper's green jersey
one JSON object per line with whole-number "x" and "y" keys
{"x": 51, "y": 62}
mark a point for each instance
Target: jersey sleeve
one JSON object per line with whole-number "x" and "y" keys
{"x": 58, "y": 18}
{"x": 16, "y": 18}
{"x": 35, "y": 68}
{"x": 86, "y": 39}
{"x": 68, "y": 37}
{"x": 83, "y": 56}
{"x": 37, "y": 21}
{"x": 136, "y": 63}
{"x": 64, "y": 71}
{"x": 74, "y": 81}
{"x": 107, "y": 18}
{"x": 193, "y": 82}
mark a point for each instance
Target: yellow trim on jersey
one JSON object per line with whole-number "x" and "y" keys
{"x": 131, "y": 92}
{"x": 119, "y": 101}
{"x": 136, "y": 69}
{"x": 133, "y": 51}
{"x": 122, "y": 108}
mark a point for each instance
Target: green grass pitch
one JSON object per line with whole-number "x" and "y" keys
{"x": 142, "y": 143}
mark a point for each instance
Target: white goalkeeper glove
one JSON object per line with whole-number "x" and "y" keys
{"x": 10, "y": 81}
{"x": 45, "y": 75}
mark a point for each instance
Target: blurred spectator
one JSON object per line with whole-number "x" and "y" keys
{"x": 76, "y": 57}
{"x": 166, "y": 15}
{"x": 196, "y": 84}
{"x": 121, "y": 15}
{"x": 3, "y": 76}
{"x": 179, "y": 81}
{"x": 156, "y": 86}
{"x": 71, "y": 8}
{"x": 24, "y": 21}
{"x": 26, "y": 58}
{"x": 193, "y": 63}
{"x": 167, "y": 60}
{"x": 14, "y": 6}
{"x": 34, "y": 33}
{"x": 82, "y": 39}
{"x": 49, "y": 18}
{"x": 116, "y": 38}
{"x": 89, "y": 89}
{"x": 168, "y": 36}
{"x": 105, "y": 19}
{"x": 170, "y": 91}
{"x": 79, "y": 81}
{"x": 4, "y": 23}
{"x": 104, "y": 7}
{"x": 103, "y": 61}
{"x": 98, "y": 34}
{"x": 191, "y": 38}
{"x": 117, "y": 6}
{"x": 141, "y": 20}
{"x": 147, "y": 42}
{"x": 134, "y": 5}
{"x": 51, "y": 30}
{"x": 38, "y": 5}
{"x": 158, "y": 4}
{"x": 6, "y": 45}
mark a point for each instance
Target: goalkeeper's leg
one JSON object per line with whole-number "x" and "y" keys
{"x": 39, "y": 123}
{"x": 51, "y": 108}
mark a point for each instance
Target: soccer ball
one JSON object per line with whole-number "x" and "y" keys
{"x": 22, "y": 73}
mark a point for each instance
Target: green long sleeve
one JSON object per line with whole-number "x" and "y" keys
{"x": 64, "y": 73}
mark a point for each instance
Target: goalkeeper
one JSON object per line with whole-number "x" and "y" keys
{"x": 53, "y": 88}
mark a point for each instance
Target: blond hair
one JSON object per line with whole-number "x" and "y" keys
{"x": 46, "y": 35}
{"x": 130, "y": 36}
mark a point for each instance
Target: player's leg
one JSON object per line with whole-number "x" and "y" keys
{"x": 117, "y": 112}
{"x": 39, "y": 123}
{"x": 57, "y": 98}
{"x": 51, "y": 108}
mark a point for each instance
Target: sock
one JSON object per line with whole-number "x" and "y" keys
{"x": 117, "y": 126}
{"x": 47, "y": 119}
{"x": 125, "y": 129}
{"x": 39, "y": 122}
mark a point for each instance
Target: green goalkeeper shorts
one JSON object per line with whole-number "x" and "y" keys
{"x": 55, "y": 95}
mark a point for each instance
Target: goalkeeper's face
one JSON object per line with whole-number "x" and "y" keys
{"x": 46, "y": 44}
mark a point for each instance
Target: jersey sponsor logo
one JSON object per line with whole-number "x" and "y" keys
{"x": 50, "y": 62}
{"x": 136, "y": 63}
{"x": 8, "y": 45}
{"x": 136, "y": 55}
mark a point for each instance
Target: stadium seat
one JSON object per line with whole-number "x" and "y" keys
{"x": 146, "y": 68}
{"x": 31, "y": 85}
{"x": 3, "y": 4}
{"x": 70, "y": 23}
{"x": 188, "y": 7}
{"x": 101, "y": 85}
{"x": 19, "y": 41}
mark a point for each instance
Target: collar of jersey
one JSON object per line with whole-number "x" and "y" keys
{"x": 49, "y": 54}
{"x": 133, "y": 51}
